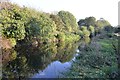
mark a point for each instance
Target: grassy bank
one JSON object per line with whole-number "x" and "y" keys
{"x": 95, "y": 60}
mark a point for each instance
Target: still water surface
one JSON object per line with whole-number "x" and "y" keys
{"x": 45, "y": 61}
{"x": 55, "y": 69}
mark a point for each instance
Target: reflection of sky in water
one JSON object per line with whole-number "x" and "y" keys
{"x": 42, "y": 64}
{"x": 53, "y": 70}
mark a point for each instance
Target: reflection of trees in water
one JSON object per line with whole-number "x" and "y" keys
{"x": 8, "y": 55}
{"x": 30, "y": 60}
{"x": 16, "y": 68}
{"x": 65, "y": 53}
{"x": 83, "y": 43}
{"x": 87, "y": 40}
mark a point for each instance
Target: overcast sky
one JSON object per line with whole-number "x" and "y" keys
{"x": 107, "y": 9}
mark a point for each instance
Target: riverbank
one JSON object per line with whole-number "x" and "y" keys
{"x": 32, "y": 39}
{"x": 96, "y": 60}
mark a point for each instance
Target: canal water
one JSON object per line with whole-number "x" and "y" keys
{"x": 54, "y": 69}
{"x": 45, "y": 61}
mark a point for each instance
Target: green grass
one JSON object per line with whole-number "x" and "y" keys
{"x": 96, "y": 60}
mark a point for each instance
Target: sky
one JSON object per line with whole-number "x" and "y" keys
{"x": 107, "y": 9}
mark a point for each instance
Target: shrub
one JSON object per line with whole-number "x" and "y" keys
{"x": 11, "y": 23}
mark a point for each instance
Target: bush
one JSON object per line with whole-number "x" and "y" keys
{"x": 12, "y": 23}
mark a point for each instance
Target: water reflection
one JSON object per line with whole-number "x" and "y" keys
{"x": 53, "y": 70}
{"x": 27, "y": 61}
{"x": 87, "y": 40}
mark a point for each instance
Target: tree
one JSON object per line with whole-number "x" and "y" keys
{"x": 109, "y": 29}
{"x": 101, "y": 23}
{"x": 40, "y": 26}
{"x": 69, "y": 20}
{"x": 81, "y": 22}
{"x": 12, "y": 23}
{"x": 86, "y": 33}
{"x": 117, "y": 29}
{"x": 58, "y": 21}
{"x": 87, "y": 21}
{"x": 92, "y": 31}
{"x": 90, "y": 21}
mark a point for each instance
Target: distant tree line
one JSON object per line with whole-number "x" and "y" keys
{"x": 94, "y": 26}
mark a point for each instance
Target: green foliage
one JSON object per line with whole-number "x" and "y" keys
{"x": 58, "y": 21}
{"x": 87, "y": 21}
{"x": 66, "y": 51}
{"x": 80, "y": 33}
{"x": 117, "y": 29}
{"x": 41, "y": 26}
{"x": 38, "y": 24}
{"x": 13, "y": 55}
{"x": 100, "y": 26}
{"x": 91, "y": 29}
{"x": 69, "y": 21}
{"x": 102, "y": 23}
{"x": 24, "y": 26}
{"x": 86, "y": 32}
{"x": 12, "y": 41}
{"x": 61, "y": 37}
{"x": 83, "y": 28}
{"x": 11, "y": 23}
{"x": 96, "y": 60}
{"x": 86, "y": 39}
{"x": 109, "y": 29}
{"x": 69, "y": 37}
{"x": 90, "y": 21}
{"x": 16, "y": 25}
{"x": 30, "y": 60}
{"x": 81, "y": 22}
{"x": 93, "y": 25}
